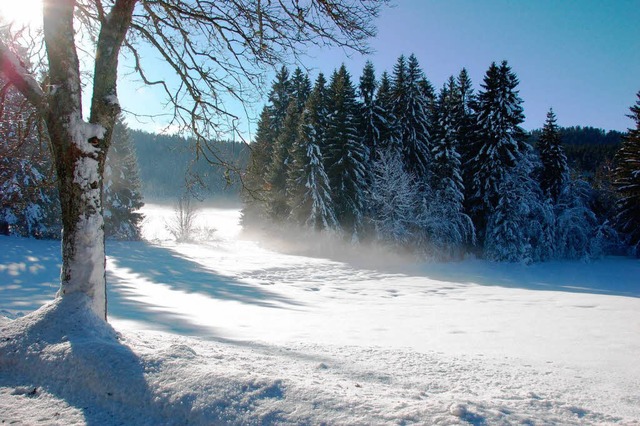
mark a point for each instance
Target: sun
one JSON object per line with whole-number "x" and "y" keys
{"x": 21, "y": 12}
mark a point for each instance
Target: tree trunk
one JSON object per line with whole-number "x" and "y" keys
{"x": 79, "y": 162}
{"x": 80, "y": 148}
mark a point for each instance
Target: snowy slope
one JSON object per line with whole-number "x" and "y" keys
{"x": 231, "y": 331}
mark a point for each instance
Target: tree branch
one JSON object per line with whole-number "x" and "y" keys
{"x": 15, "y": 73}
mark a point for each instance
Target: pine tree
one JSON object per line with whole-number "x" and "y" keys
{"x": 389, "y": 130}
{"x": 464, "y": 102}
{"x": 500, "y": 140}
{"x": 277, "y": 204}
{"x": 627, "y": 183}
{"x": 373, "y": 121}
{"x": 279, "y": 98}
{"x": 285, "y": 144}
{"x": 300, "y": 88}
{"x": 121, "y": 193}
{"x": 520, "y": 227}
{"x": 576, "y": 224}
{"x": 394, "y": 200}
{"x": 447, "y": 228}
{"x": 310, "y": 193}
{"x": 446, "y": 159}
{"x": 346, "y": 154}
{"x": 554, "y": 161}
{"x": 411, "y": 111}
{"x": 263, "y": 170}
{"x": 255, "y": 183}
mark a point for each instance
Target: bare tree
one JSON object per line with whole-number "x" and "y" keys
{"x": 214, "y": 47}
{"x": 182, "y": 224}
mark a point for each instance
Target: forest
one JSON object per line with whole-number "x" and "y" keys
{"x": 439, "y": 173}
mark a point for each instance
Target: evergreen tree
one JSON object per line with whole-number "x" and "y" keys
{"x": 394, "y": 200}
{"x": 464, "y": 104}
{"x": 346, "y": 154}
{"x": 276, "y": 178}
{"x": 576, "y": 224}
{"x": 411, "y": 111}
{"x": 285, "y": 144}
{"x": 300, "y": 88}
{"x": 554, "y": 161}
{"x": 520, "y": 227}
{"x": 447, "y": 228}
{"x": 627, "y": 183}
{"x": 255, "y": 183}
{"x": 121, "y": 192}
{"x": 446, "y": 159}
{"x": 265, "y": 177}
{"x": 279, "y": 98}
{"x": 310, "y": 193}
{"x": 389, "y": 130}
{"x": 373, "y": 120}
{"x": 500, "y": 140}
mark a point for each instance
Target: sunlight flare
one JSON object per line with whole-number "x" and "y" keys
{"x": 22, "y": 13}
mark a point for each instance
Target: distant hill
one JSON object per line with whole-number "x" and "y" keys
{"x": 168, "y": 165}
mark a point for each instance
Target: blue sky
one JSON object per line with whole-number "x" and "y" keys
{"x": 580, "y": 57}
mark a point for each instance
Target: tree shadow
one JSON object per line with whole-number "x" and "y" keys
{"x": 163, "y": 266}
{"x": 29, "y": 273}
{"x": 143, "y": 264}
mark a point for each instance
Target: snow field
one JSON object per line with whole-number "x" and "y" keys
{"x": 230, "y": 331}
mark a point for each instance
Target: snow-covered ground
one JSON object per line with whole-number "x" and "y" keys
{"x": 231, "y": 330}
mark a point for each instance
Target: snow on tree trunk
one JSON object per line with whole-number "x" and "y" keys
{"x": 80, "y": 148}
{"x": 80, "y": 168}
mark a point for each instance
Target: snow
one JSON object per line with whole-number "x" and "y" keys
{"x": 82, "y": 132}
{"x": 233, "y": 330}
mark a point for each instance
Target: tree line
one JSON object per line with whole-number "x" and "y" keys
{"x": 439, "y": 172}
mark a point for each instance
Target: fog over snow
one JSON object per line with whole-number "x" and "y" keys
{"x": 237, "y": 330}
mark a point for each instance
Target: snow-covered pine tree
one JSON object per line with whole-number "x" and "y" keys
{"x": 277, "y": 197}
{"x": 346, "y": 154}
{"x": 501, "y": 141}
{"x": 310, "y": 194}
{"x": 554, "y": 171}
{"x": 464, "y": 101}
{"x": 257, "y": 184}
{"x": 373, "y": 120}
{"x": 447, "y": 228}
{"x": 389, "y": 130}
{"x": 411, "y": 111}
{"x": 520, "y": 227}
{"x": 627, "y": 183}
{"x": 394, "y": 200}
{"x": 122, "y": 197}
{"x": 576, "y": 224}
